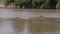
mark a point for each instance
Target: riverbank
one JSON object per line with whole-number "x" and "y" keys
{"x": 34, "y": 10}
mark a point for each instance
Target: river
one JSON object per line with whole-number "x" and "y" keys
{"x": 6, "y": 26}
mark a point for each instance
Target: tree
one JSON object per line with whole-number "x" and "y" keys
{"x": 7, "y": 2}
{"x": 49, "y": 4}
{"x": 53, "y": 4}
{"x": 45, "y": 4}
{"x": 18, "y": 3}
{"x": 58, "y": 4}
{"x": 36, "y": 3}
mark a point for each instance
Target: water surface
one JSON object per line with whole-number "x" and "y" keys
{"x": 6, "y": 26}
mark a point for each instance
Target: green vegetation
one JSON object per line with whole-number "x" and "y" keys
{"x": 5, "y": 2}
{"x": 58, "y": 4}
{"x": 19, "y": 1}
{"x": 46, "y": 4}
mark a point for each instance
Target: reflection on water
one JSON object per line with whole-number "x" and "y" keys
{"x": 9, "y": 24}
{"x": 43, "y": 25}
{"x": 18, "y": 24}
{"x": 6, "y": 27}
{"x": 26, "y": 27}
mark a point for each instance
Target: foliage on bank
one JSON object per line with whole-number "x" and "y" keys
{"x": 37, "y": 3}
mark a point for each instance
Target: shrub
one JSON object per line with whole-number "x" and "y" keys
{"x": 58, "y": 5}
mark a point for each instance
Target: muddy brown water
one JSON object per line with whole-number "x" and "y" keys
{"x": 28, "y": 22}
